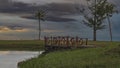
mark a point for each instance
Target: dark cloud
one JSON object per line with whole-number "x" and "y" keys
{"x": 54, "y": 11}
{"x": 55, "y": 8}
{"x": 5, "y": 3}
{"x": 53, "y": 18}
{"x": 16, "y": 7}
{"x": 61, "y": 8}
{"x": 59, "y": 19}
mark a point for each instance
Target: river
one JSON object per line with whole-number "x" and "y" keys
{"x": 10, "y": 59}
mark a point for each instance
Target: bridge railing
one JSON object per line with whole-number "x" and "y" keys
{"x": 65, "y": 41}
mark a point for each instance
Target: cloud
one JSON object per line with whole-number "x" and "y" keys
{"x": 56, "y": 8}
{"x": 12, "y": 29}
{"x": 44, "y": 1}
{"x": 52, "y": 18}
{"x": 15, "y": 28}
{"x": 18, "y": 22}
{"x": 54, "y": 11}
{"x": 19, "y": 28}
{"x": 17, "y": 7}
{"x": 49, "y": 31}
{"x": 13, "y": 21}
{"x": 5, "y": 3}
{"x": 59, "y": 19}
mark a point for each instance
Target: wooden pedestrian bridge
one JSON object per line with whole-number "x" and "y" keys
{"x": 64, "y": 42}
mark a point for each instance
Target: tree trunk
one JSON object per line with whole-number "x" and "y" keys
{"x": 94, "y": 27}
{"x": 39, "y": 30}
{"x": 94, "y": 34}
{"x": 110, "y": 28}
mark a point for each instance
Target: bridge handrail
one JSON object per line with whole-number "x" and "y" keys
{"x": 65, "y": 41}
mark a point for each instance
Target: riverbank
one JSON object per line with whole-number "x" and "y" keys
{"x": 105, "y": 55}
{"x": 19, "y": 45}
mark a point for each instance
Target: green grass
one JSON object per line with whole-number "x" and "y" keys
{"x": 107, "y": 55}
{"x": 32, "y": 45}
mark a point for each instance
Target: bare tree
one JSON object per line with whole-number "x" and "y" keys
{"x": 40, "y": 16}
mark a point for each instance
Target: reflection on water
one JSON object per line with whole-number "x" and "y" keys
{"x": 9, "y": 59}
{"x": 4, "y": 52}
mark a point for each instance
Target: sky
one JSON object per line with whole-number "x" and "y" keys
{"x": 44, "y": 1}
{"x": 48, "y": 1}
{"x": 17, "y": 20}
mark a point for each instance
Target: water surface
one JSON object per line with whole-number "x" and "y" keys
{"x": 9, "y": 59}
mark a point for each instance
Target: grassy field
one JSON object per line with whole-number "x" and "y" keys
{"x": 32, "y": 45}
{"x": 106, "y": 55}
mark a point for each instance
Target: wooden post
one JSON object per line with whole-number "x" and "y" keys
{"x": 45, "y": 41}
{"x": 86, "y": 41}
{"x": 67, "y": 41}
{"x": 51, "y": 41}
{"x": 80, "y": 41}
{"x": 76, "y": 41}
{"x": 58, "y": 40}
{"x": 72, "y": 41}
{"x": 63, "y": 41}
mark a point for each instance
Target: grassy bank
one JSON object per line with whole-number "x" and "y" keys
{"x": 105, "y": 56}
{"x": 32, "y": 45}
